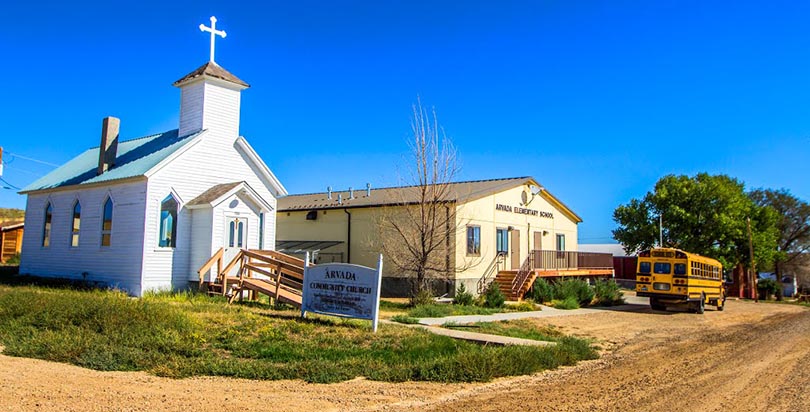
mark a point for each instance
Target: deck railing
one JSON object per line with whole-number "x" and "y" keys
{"x": 554, "y": 260}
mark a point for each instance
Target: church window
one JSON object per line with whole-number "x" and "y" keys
{"x": 46, "y": 232}
{"x": 106, "y": 223}
{"x": 168, "y": 222}
{"x": 75, "y": 224}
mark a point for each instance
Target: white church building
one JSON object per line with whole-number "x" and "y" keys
{"x": 145, "y": 214}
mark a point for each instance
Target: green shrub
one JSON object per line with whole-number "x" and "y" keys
{"x": 569, "y": 302}
{"x": 14, "y": 260}
{"x": 767, "y": 287}
{"x": 525, "y": 306}
{"x": 493, "y": 297}
{"x": 422, "y": 297}
{"x": 577, "y": 289}
{"x": 607, "y": 293}
{"x": 542, "y": 291}
{"x": 463, "y": 297}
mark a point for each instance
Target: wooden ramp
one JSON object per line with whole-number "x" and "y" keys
{"x": 265, "y": 272}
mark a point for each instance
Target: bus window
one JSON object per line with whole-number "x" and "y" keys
{"x": 644, "y": 267}
{"x": 680, "y": 269}
{"x": 662, "y": 268}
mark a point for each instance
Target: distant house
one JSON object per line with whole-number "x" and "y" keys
{"x": 624, "y": 265}
{"x": 144, "y": 214}
{"x": 11, "y": 236}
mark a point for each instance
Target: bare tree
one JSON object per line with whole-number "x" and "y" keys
{"x": 418, "y": 226}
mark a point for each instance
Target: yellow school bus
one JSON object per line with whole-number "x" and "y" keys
{"x": 673, "y": 277}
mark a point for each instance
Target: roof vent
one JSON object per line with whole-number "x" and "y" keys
{"x": 329, "y": 192}
{"x": 108, "y": 148}
{"x": 368, "y": 189}
{"x": 340, "y": 199}
{"x": 351, "y": 193}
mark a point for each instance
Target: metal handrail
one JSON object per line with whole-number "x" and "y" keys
{"x": 491, "y": 270}
{"x": 523, "y": 274}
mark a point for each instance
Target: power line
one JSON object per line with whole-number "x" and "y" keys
{"x": 32, "y": 159}
{"x": 9, "y": 185}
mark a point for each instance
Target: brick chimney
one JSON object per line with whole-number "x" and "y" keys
{"x": 108, "y": 148}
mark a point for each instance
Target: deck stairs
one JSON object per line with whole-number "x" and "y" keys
{"x": 258, "y": 272}
{"x": 507, "y": 281}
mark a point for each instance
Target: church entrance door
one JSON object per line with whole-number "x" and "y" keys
{"x": 235, "y": 239}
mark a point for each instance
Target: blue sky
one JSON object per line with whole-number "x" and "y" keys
{"x": 595, "y": 99}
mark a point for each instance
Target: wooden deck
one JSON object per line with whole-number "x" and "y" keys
{"x": 265, "y": 272}
{"x": 514, "y": 284}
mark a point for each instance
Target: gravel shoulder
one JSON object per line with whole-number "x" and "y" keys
{"x": 746, "y": 358}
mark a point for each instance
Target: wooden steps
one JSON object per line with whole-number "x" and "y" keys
{"x": 505, "y": 278}
{"x": 267, "y": 272}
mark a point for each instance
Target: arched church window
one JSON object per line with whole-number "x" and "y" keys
{"x": 168, "y": 222}
{"x": 46, "y": 231}
{"x": 106, "y": 223}
{"x": 75, "y": 224}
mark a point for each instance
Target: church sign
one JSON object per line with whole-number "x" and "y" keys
{"x": 343, "y": 289}
{"x": 523, "y": 211}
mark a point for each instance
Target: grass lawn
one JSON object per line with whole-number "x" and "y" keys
{"x": 399, "y": 311}
{"x": 184, "y": 335}
{"x": 522, "y": 328}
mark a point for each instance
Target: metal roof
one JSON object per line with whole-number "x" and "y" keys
{"x": 135, "y": 157}
{"x": 458, "y": 192}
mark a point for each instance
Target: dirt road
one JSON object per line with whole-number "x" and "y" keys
{"x": 752, "y": 357}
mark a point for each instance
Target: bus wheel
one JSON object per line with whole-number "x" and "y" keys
{"x": 701, "y": 306}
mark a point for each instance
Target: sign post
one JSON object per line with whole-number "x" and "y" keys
{"x": 343, "y": 289}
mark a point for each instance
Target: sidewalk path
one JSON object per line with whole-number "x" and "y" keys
{"x": 633, "y": 304}
{"x": 433, "y": 325}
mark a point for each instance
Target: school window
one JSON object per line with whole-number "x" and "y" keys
{"x": 75, "y": 224}
{"x": 106, "y": 223}
{"x": 473, "y": 240}
{"x": 502, "y": 240}
{"x": 560, "y": 242}
{"x": 168, "y": 222}
{"x": 46, "y": 231}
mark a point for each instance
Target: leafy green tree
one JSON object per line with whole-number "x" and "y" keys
{"x": 704, "y": 214}
{"x": 793, "y": 225}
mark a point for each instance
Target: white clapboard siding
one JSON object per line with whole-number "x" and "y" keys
{"x": 191, "y": 108}
{"x": 215, "y": 160}
{"x": 116, "y": 265}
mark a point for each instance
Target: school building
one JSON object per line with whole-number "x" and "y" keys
{"x": 508, "y": 231}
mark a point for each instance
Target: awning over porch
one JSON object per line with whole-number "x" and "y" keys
{"x": 302, "y": 246}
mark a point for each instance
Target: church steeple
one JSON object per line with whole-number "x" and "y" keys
{"x": 210, "y": 96}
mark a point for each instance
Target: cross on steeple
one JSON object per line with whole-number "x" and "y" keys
{"x": 214, "y": 32}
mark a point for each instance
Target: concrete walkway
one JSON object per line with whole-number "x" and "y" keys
{"x": 433, "y": 325}
{"x": 633, "y": 303}
{"x": 483, "y": 338}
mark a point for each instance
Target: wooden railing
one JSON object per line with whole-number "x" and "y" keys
{"x": 490, "y": 272}
{"x": 553, "y": 259}
{"x": 280, "y": 275}
{"x": 206, "y": 267}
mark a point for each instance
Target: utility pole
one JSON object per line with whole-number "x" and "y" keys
{"x": 1, "y": 161}
{"x": 752, "y": 269}
{"x": 660, "y": 230}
